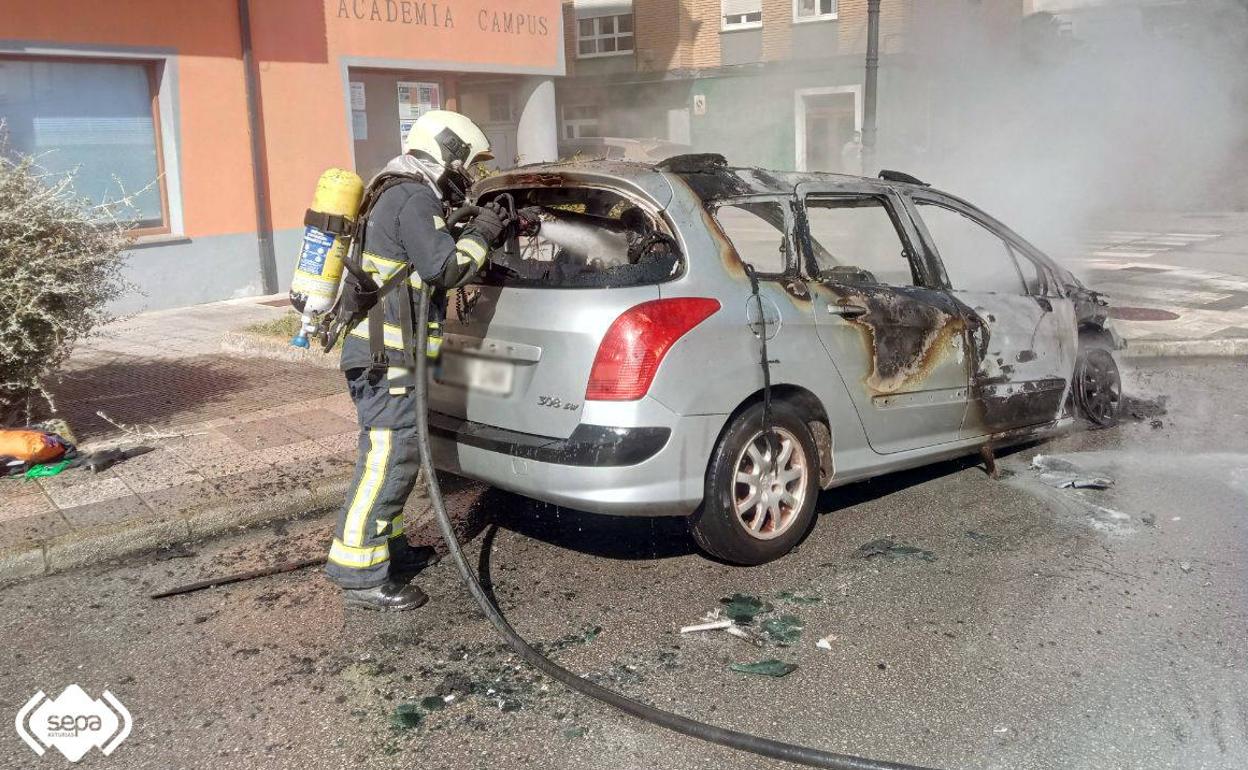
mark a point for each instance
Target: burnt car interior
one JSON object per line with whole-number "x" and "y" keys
{"x": 589, "y": 237}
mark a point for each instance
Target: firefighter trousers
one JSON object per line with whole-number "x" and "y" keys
{"x": 369, "y": 537}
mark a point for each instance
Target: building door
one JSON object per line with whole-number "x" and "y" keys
{"x": 829, "y": 122}
{"x": 491, "y": 104}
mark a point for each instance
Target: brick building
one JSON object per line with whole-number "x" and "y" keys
{"x": 777, "y": 83}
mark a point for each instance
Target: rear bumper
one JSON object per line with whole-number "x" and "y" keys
{"x": 639, "y": 471}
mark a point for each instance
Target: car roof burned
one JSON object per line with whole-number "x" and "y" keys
{"x": 711, "y": 178}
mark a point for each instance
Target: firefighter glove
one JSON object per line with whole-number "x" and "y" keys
{"x": 491, "y": 224}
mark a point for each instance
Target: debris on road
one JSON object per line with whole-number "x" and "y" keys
{"x": 792, "y": 598}
{"x": 711, "y": 622}
{"x": 240, "y": 577}
{"x": 1186, "y": 566}
{"x": 406, "y": 716}
{"x": 743, "y": 608}
{"x": 784, "y": 630}
{"x": 885, "y": 546}
{"x": 770, "y": 667}
{"x": 826, "y": 642}
{"x": 1140, "y": 409}
{"x": 107, "y": 458}
{"x": 748, "y": 634}
{"x": 1060, "y": 473}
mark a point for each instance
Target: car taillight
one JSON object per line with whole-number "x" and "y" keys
{"x": 635, "y": 344}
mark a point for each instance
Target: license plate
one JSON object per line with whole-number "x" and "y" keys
{"x": 483, "y": 374}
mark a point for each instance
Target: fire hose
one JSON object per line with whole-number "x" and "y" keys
{"x": 734, "y": 739}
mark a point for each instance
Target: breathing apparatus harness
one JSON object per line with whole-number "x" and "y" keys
{"x": 733, "y": 739}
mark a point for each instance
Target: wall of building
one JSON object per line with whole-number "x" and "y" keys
{"x": 305, "y": 50}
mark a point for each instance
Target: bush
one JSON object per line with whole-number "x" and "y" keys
{"x": 60, "y": 264}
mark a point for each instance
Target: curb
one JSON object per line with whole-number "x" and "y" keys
{"x": 124, "y": 538}
{"x": 248, "y": 345}
{"x": 1223, "y": 347}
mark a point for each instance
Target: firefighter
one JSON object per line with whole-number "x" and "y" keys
{"x": 403, "y": 225}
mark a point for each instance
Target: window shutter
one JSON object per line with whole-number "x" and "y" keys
{"x": 740, "y": 7}
{"x": 588, "y": 9}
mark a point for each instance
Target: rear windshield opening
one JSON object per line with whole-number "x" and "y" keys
{"x": 588, "y": 238}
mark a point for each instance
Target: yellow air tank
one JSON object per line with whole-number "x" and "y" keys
{"x": 327, "y": 233}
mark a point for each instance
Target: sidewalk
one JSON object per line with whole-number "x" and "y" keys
{"x": 1177, "y": 283}
{"x": 259, "y": 439}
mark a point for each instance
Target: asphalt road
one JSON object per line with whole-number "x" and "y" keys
{"x": 1053, "y": 629}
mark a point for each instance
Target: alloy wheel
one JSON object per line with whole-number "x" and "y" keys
{"x": 769, "y": 491}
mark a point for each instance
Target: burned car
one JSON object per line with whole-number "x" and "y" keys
{"x": 613, "y": 362}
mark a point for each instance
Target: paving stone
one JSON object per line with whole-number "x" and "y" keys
{"x": 32, "y": 502}
{"x": 181, "y": 499}
{"x": 342, "y": 442}
{"x": 263, "y": 434}
{"x": 17, "y": 487}
{"x": 229, "y": 465}
{"x": 157, "y": 469}
{"x": 316, "y": 423}
{"x": 78, "y": 489}
{"x": 292, "y": 454}
{"x": 106, "y": 512}
{"x": 270, "y": 484}
{"x": 32, "y": 528}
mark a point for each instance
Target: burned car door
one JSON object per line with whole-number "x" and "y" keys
{"x": 894, "y": 336}
{"x": 1021, "y": 332}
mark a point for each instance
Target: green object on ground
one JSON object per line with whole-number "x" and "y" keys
{"x": 784, "y": 630}
{"x": 46, "y": 469}
{"x": 771, "y": 667}
{"x": 909, "y": 550}
{"x": 432, "y": 703}
{"x": 742, "y": 608}
{"x": 792, "y": 598}
{"x": 574, "y": 732}
{"x": 406, "y": 716}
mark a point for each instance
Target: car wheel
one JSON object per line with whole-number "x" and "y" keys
{"x": 760, "y": 499}
{"x": 1098, "y": 387}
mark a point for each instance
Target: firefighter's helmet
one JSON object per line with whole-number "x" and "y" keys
{"x": 448, "y": 138}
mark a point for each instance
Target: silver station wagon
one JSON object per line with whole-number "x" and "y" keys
{"x": 692, "y": 339}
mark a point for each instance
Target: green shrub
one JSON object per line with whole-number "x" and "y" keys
{"x": 60, "y": 264}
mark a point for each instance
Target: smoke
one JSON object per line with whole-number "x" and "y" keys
{"x": 1122, "y": 106}
{"x": 592, "y": 244}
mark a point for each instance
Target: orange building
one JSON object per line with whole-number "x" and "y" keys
{"x": 215, "y": 117}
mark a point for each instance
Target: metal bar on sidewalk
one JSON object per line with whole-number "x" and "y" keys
{"x": 239, "y": 577}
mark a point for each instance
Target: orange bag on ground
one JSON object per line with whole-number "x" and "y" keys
{"x": 30, "y": 446}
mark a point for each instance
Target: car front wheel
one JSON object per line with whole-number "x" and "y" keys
{"x": 760, "y": 490}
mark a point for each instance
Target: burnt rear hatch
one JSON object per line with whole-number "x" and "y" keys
{"x": 521, "y": 341}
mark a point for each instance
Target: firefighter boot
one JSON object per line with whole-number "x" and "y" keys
{"x": 391, "y": 595}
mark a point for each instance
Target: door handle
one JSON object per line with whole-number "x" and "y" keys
{"x": 846, "y": 311}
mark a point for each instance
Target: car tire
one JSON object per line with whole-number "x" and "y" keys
{"x": 754, "y": 512}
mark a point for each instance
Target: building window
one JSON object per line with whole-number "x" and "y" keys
{"x": 580, "y": 121}
{"x": 741, "y": 14}
{"x": 814, "y": 10}
{"x": 500, "y": 107}
{"x": 604, "y": 36}
{"x": 96, "y": 117}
